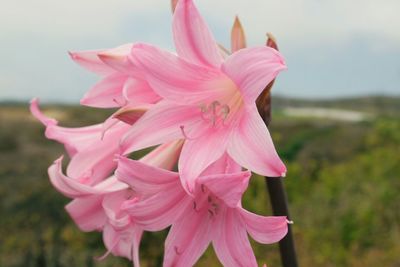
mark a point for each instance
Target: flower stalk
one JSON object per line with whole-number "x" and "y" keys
{"x": 275, "y": 187}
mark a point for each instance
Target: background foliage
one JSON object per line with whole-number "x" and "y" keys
{"x": 343, "y": 186}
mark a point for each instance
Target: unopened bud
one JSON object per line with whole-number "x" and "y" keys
{"x": 238, "y": 38}
{"x": 271, "y": 41}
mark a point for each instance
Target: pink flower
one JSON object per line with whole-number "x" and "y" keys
{"x": 97, "y": 208}
{"x": 91, "y": 150}
{"x": 122, "y": 83}
{"x": 207, "y": 100}
{"x": 213, "y": 215}
{"x": 100, "y": 207}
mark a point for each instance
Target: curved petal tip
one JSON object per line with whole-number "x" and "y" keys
{"x": 37, "y": 113}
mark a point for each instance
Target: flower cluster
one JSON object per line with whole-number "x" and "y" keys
{"x": 197, "y": 108}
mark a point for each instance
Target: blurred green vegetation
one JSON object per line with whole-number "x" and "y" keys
{"x": 343, "y": 187}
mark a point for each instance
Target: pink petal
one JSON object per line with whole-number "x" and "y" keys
{"x": 74, "y": 139}
{"x": 107, "y": 93}
{"x": 87, "y": 213}
{"x": 238, "y": 39}
{"x": 228, "y": 187}
{"x": 112, "y": 204}
{"x": 76, "y": 188}
{"x": 35, "y": 111}
{"x": 109, "y": 185}
{"x": 188, "y": 238}
{"x": 137, "y": 91}
{"x": 251, "y": 146}
{"x": 199, "y": 153}
{"x": 225, "y": 164}
{"x": 135, "y": 247}
{"x": 266, "y": 230}
{"x": 252, "y": 69}
{"x": 193, "y": 39}
{"x": 77, "y": 139}
{"x": 90, "y": 61}
{"x": 131, "y": 113}
{"x": 177, "y": 80}
{"x": 96, "y": 164}
{"x": 230, "y": 240}
{"x": 117, "y": 59}
{"x": 69, "y": 187}
{"x": 160, "y": 210}
{"x": 161, "y": 124}
{"x": 97, "y": 161}
{"x": 165, "y": 156}
{"x": 143, "y": 178}
{"x": 163, "y": 197}
{"x": 123, "y": 243}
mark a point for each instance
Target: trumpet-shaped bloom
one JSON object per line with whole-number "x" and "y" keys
{"x": 100, "y": 207}
{"x": 97, "y": 208}
{"x": 121, "y": 84}
{"x": 90, "y": 148}
{"x": 208, "y": 100}
{"x": 212, "y": 215}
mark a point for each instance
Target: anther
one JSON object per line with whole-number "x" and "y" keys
{"x": 203, "y": 108}
{"x": 225, "y": 111}
{"x": 214, "y": 105}
{"x": 214, "y": 112}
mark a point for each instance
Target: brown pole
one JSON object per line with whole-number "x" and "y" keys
{"x": 276, "y": 190}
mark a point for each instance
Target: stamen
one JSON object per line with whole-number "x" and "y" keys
{"x": 184, "y": 133}
{"x": 214, "y": 116}
{"x": 119, "y": 103}
{"x": 215, "y": 112}
{"x": 289, "y": 222}
{"x": 225, "y": 110}
{"x": 214, "y": 105}
{"x": 108, "y": 252}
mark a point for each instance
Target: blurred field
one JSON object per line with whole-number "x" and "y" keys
{"x": 343, "y": 186}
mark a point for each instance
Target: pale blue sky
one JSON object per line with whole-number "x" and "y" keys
{"x": 332, "y": 47}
